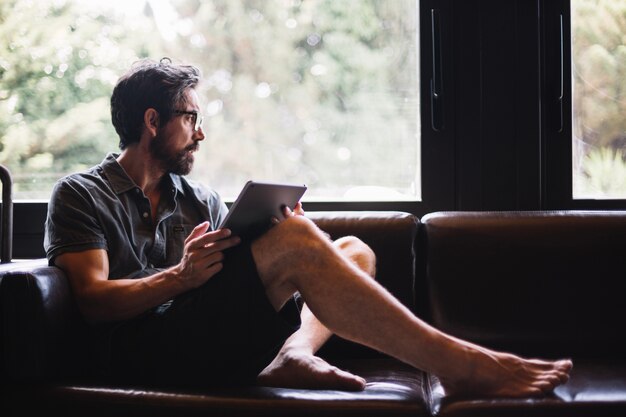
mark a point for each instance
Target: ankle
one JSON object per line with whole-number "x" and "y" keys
{"x": 457, "y": 360}
{"x": 295, "y": 350}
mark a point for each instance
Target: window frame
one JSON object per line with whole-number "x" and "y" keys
{"x": 556, "y": 137}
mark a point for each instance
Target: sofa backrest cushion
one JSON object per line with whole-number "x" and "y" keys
{"x": 536, "y": 282}
{"x": 391, "y": 235}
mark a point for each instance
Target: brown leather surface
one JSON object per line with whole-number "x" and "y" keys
{"x": 393, "y": 389}
{"x": 14, "y": 265}
{"x": 547, "y": 283}
{"x": 41, "y": 326}
{"x": 391, "y": 235}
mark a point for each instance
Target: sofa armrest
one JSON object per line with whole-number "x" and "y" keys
{"x": 40, "y": 324}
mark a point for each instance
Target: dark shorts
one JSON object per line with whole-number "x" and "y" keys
{"x": 224, "y": 332}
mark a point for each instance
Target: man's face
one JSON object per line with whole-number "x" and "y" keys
{"x": 176, "y": 142}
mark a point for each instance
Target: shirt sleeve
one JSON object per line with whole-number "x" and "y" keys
{"x": 218, "y": 209}
{"x": 71, "y": 223}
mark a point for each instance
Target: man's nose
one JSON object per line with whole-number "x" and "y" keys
{"x": 199, "y": 134}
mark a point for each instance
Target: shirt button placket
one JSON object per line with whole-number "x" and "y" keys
{"x": 158, "y": 248}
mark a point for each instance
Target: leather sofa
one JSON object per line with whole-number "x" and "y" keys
{"x": 546, "y": 284}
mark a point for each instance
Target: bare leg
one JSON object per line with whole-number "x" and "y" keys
{"x": 296, "y": 365}
{"x": 295, "y": 255}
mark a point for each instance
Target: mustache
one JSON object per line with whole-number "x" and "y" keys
{"x": 192, "y": 148}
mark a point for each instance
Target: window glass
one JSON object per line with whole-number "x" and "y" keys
{"x": 599, "y": 98}
{"x": 321, "y": 92}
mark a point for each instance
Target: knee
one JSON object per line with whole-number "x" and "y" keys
{"x": 301, "y": 228}
{"x": 296, "y": 236}
{"x": 358, "y": 252}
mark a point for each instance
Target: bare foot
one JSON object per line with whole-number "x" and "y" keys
{"x": 490, "y": 373}
{"x": 296, "y": 369}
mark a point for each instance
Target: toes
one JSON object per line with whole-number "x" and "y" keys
{"x": 346, "y": 380}
{"x": 541, "y": 364}
{"x": 535, "y": 392}
{"x": 550, "y": 381}
{"x": 544, "y": 386}
{"x": 565, "y": 365}
{"x": 563, "y": 377}
{"x": 553, "y": 379}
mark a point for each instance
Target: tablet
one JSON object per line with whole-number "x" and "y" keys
{"x": 252, "y": 212}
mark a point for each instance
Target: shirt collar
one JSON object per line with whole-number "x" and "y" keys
{"x": 178, "y": 183}
{"x": 121, "y": 182}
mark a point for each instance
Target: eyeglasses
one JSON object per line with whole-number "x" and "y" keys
{"x": 197, "y": 118}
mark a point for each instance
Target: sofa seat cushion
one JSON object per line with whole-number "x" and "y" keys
{"x": 595, "y": 388}
{"x": 393, "y": 389}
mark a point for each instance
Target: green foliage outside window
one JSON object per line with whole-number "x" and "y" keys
{"x": 599, "y": 108}
{"x": 317, "y": 92}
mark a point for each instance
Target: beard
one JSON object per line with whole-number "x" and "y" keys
{"x": 179, "y": 162}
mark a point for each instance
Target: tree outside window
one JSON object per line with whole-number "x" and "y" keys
{"x": 320, "y": 92}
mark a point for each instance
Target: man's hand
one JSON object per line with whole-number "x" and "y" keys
{"x": 203, "y": 254}
{"x": 297, "y": 211}
{"x": 287, "y": 213}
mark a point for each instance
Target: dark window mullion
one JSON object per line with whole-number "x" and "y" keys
{"x": 557, "y": 105}
{"x": 437, "y": 100}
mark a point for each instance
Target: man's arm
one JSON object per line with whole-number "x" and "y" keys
{"x": 100, "y": 299}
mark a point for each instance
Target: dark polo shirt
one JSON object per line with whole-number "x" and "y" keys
{"x": 102, "y": 208}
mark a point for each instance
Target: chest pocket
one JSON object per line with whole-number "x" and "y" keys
{"x": 176, "y": 235}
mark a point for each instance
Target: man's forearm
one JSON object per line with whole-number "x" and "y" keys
{"x": 124, "y": 298}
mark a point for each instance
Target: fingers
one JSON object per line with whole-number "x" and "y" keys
{"x": 201, "y": 260}
{"x": 198, "y": 231}
{"x": 287, "y": 212}
{"x": 205, "y": 248}
{"x": 201, "y": 240}
{"x": 212, "y": 261}
{"x": 298, "y": 210}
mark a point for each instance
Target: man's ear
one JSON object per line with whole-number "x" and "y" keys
{"x": 151, "y": 121}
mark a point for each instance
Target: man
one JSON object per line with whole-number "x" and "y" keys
{"x": 174, "y": 299}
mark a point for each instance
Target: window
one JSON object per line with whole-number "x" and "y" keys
{"x": 321, "y": 92}
{"x": 583, "y": 145}
{"x": 599, "y": 99}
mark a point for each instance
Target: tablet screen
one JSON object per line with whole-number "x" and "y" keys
{"x": 252, "y": 212}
